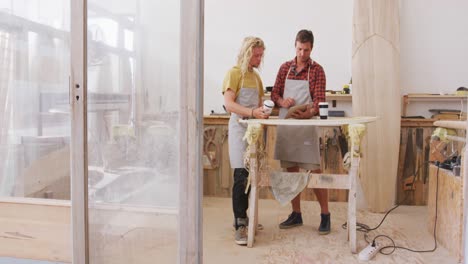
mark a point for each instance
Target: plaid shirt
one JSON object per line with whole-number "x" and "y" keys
{"x": 317, "y": 81}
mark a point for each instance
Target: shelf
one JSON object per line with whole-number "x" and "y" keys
{"x": 339, "y": 97}
{"x": 430, "y": 97}
{"x": 330, "y": 97}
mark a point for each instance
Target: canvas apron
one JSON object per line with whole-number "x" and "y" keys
{"x": 247, "y": 97}
{"x": 296, "y": 143}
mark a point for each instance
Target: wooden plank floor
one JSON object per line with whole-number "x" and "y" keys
{"x": 35, "y": 229}
{"x": 25, "y": 261}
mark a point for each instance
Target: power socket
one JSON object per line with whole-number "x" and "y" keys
{"x": 369, "y": 252}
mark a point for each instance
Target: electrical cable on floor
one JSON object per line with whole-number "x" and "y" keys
{"x": 366, "y": 229}
{"x": 394, "y": 247}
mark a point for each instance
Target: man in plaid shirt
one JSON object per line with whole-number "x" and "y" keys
{"x": 301, "y": 81}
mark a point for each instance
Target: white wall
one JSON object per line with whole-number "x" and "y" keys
{"x": 434, "y": 50}
{"x": 434, "y": 45}
{"x": 434, "y": 41}
{"x": 276, "y": 22}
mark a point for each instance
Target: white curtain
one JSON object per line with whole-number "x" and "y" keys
{"x": 7, "y": 41}
{"x": 34, "y": 124}
{"x": 6, "y": 66}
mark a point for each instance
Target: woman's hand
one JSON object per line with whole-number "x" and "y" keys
{"x": 259, "y": 114}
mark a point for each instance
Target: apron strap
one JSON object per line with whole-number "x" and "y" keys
{"x": 308, "y": 74}
{"x": 243, "y": 78}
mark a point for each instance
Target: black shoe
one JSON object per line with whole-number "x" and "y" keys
{"x": 294, "y": 219}
{"x": 325, "y": 225}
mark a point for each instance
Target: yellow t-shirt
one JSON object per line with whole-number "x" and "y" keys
{"x": 233, "y": 81}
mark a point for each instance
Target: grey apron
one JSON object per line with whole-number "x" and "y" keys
{"x": 247, "y": 97}
{"x": 295, "y": 143}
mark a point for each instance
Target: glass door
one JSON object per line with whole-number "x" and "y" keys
{"x": 133, "y": 87}
{"x": 136, "y": 89}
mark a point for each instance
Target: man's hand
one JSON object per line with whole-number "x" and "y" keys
{"x": 306, "y": 114}
{"x": 287, "y": 102}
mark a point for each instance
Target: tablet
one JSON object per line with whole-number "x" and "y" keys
{"x": 292, "y": 109}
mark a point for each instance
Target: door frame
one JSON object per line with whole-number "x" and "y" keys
{"x": 78, "y": 142}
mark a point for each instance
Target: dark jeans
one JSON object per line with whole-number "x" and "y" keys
{"x": 240, "y": 199}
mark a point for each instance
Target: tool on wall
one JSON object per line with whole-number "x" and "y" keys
{"x": 210, "y": 149}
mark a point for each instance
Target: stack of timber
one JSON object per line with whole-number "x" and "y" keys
{"x": 446, "y": 114}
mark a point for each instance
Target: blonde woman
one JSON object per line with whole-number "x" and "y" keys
{"x": 243, "y": 91}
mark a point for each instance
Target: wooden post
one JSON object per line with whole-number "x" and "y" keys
{"x": 79, "y": 136}
{"x": 464, "y": 174}
{"x": 353, "y": 174}
{"x": 405, "y": 105}
{"x": 376, "y": 92}
{"x": 191, "y": 133}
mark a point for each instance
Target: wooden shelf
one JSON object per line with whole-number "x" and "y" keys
{"x": 330, "y": 97}
{"x": 430, "y": 97}
{"x": 216, "y": 119}
{"x": 416, "y": 122}
{"x": 339, "y": 97}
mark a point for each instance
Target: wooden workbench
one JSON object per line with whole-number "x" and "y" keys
{"x": 346, "y": 181}
{"x": 218, "y": 181}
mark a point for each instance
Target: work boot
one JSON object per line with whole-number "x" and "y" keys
{"x": 325, "y": 224}
{"x": 294, "y": 219}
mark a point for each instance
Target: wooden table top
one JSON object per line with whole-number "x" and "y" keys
{"x": 331, "y": 121}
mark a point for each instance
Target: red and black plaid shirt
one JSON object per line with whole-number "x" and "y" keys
{"x": 317, "y": 81}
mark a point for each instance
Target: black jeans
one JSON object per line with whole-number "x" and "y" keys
{"x": 240, "y": 199}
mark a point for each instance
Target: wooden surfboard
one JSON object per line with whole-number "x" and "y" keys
{"x": 376, "y": 92}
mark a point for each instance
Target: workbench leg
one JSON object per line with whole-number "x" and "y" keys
{"x": 353, "y": 174}
{"x": 253, "y": 208}
{"x": 253, "y": 197}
